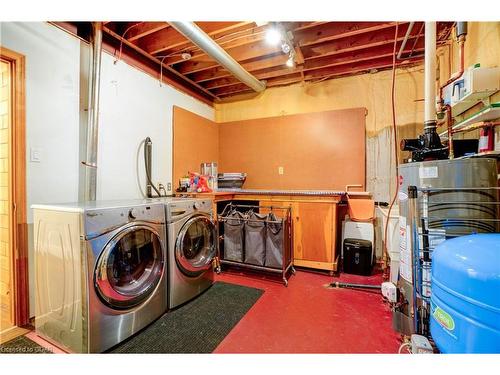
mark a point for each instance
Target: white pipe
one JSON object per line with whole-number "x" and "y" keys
{"x": 196, "y": 35}
{"x": 430, "y": 74}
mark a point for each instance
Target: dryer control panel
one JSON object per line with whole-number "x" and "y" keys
{"x": 180, "y": 208}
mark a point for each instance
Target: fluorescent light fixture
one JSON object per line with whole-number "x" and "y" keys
{"x": 273, "y": 36}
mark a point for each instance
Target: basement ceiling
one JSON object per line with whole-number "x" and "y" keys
{"x": 323, "y": 50}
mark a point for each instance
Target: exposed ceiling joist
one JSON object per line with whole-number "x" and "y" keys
{"x": 167, "y": 68}
{"x": 337, "y": 30}
{"x": 323, "y": 50}
{"x": 145, "y": 29}
{"x": 169, "y": 39}
{"x": 277, "y": 59}
{"x": 377, "y": 63}
{"x": 240, "y": 53}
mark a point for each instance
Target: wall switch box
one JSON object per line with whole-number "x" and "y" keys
{"x": 281, "y": 170}
{"x": 35, "y": 155}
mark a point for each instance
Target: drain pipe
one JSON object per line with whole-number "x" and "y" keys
{"x": 201, "y": 39}
{"x": 430, "y": 119}
{"x": 90, "y": 163}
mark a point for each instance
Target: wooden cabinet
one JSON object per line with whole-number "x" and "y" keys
{"x": 315, "y": 235}
{"x": 314, "y": 225}
{"x": 314, "y": 230}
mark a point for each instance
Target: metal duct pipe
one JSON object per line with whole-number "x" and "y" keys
{"x": 90, "y": 163}
{"x": 430, "y": 117}
{"x": 403, "y": 45}
{"x": 196, "y": 35}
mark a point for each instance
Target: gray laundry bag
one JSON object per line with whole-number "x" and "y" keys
{"x": 274, "y": 241}
{"x": 233, "y": 236}
{"x": 255, "y": 239}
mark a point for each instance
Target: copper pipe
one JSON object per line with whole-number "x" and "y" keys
{"x": 457, "y": 75}
{"x": 477, "y": 125}
{"x": 449, "y": 124}
{"x": 386, "y": 255}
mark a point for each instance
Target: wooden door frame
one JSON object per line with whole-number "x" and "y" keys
{"x": 18, "y": 189}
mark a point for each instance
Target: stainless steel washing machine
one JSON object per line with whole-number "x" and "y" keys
{"x": 192, "y": 247}
{"x": 100, "y": 271}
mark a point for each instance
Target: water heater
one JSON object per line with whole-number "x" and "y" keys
{"x": 457, "y": 197}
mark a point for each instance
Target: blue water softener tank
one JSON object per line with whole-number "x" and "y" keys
{"x": 465, "y": 301}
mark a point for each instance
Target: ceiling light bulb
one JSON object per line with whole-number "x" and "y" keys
{"x": 290, "y": 63}
{"x": 273, "y": 36}
{"x": 285, "y": 47}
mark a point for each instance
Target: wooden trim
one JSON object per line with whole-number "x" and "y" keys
{"x": 18, "y": 165}
{"x": 328, "y": 266}
{"x": 12, "y": 333}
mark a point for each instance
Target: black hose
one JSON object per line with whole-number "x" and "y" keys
{"x": 338, "y": 284}
{"x": 147, "y": 166}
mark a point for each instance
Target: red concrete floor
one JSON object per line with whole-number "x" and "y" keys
{"x": 306, "y": 317}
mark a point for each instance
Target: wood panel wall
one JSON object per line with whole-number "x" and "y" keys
{"x": 321, "y": 150}
{"x": 195, "y": 140}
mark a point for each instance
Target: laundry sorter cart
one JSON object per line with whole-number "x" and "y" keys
{"x": 249, "y": 238}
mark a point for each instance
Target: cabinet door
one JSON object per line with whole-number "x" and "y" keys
{"x": 313, "y": 231}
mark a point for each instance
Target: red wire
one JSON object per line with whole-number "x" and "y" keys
{"x": 394, "y": 127}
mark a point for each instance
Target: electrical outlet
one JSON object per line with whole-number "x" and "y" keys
{"x": 281, "y": 170}
{"x": 35, "y": 155}
{"x": 169, "y": 186}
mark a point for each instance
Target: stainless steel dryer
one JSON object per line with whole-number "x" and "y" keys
{"x": 192, "y": 247}
{"x": 100, "y": 271}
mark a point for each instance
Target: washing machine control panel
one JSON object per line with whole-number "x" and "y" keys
{"x": 101, "y": 220}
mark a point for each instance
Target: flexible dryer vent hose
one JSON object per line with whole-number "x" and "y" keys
{"x": 338, "y": 284}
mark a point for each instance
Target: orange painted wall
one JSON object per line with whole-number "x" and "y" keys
{"x": 195, "y": 140}
{"x": 321, "y": 150}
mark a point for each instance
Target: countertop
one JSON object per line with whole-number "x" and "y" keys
{"x": 271, "y": 192}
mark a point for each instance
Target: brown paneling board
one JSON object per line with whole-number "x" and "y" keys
{"x": 322, "y": 150}
{"x": 195, "y": 140}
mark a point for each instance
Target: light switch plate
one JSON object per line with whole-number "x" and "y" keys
{"x": 281, "y": 170}
{"x": 35, "y": 155}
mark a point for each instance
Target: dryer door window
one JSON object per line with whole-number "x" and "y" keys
{"x": 130, "y": 267}
{"x": 196, "y": 246}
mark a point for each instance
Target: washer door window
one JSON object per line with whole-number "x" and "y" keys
{"x": 196, "y": 246}
{"x": 130, "y": 267}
